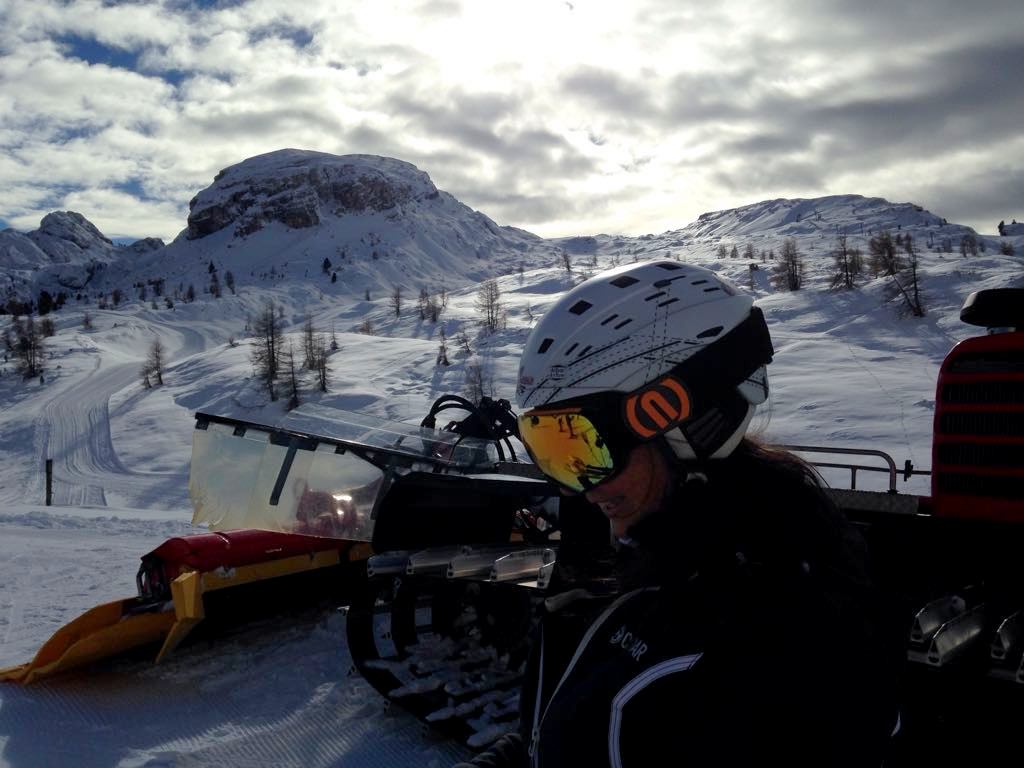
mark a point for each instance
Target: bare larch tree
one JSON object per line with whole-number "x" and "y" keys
{"x": 308, "y": 345}
{"x": 396, "y": 300}
{"x": 488, "y": 303}
{"x": 788, "y": 274}
{"x": 266, "y": 346}
{"x": 153, "y": 364}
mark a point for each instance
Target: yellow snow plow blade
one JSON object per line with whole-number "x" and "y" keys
{"x": 114, "y": 628}
{"x": 104, "y": 631}
{"x": 291, "y": 522}
{"x": 189, "y": 588}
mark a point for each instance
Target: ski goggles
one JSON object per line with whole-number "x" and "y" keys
{"x": 571, "y": 447}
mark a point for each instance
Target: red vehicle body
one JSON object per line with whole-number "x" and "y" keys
{"x": 978, "y": 440}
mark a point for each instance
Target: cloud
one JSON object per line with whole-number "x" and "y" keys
{"x": 628, "y": 117}
{"x": 439, "y": 8}
{"x": 773, "y": 174}
{"x": 984, "y": 197}
{"x": 609, "y": 90}
{"x": 121, "y": 25}
{"x": 882, "y": 24}
{"x": 42, "y": 86}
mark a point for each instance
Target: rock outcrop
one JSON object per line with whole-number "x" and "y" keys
{"x": 299, "y": 188}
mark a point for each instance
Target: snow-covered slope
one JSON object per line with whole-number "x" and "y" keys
{"x": 814, "y": 222}
{"x": 851, "y": 214}
{"x": 850, "y": 370}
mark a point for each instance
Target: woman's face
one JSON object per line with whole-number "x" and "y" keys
{"x": 636, "y": 491}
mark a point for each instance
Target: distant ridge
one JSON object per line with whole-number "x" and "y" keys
{"x": 351, "y": 225}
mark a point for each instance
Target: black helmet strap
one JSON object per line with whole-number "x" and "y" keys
{"x": 711, "y": 376}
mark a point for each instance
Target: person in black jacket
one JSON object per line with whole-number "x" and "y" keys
{"x": 737, "y": 623}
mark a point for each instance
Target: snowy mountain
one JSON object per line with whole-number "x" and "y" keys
{"x": 299, "y": 189}
{"x": 814, "y": 222}
{"x": 64, "y": 253}
{"x": 296, "y": 220}
{"x": 67, "y": 237}
{"x": 347, "y": 223}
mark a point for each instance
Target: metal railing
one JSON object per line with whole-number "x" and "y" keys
{"x": 907, "y": 472}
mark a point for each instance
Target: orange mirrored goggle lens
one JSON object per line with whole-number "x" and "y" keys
{"x": 567, "y": 448}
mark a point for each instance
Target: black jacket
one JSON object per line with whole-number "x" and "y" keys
{"x": 743, "y": 630}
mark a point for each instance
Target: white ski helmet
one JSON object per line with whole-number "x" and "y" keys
{"x": 686, "y": 350}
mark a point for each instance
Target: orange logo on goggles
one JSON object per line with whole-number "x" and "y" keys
{"x": 657, "y": 408}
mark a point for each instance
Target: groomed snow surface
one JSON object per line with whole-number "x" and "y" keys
{"x": 274, "y": 695}
{"x": 849, "y": 371}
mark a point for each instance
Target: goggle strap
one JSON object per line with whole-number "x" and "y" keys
{"x": 718, "y": 406}
{"x": 737, "y": 356}
{"x": 711, "y": 428}
{"x": 691, "y": 389}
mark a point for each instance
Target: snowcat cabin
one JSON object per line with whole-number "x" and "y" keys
{"x": 978, "y": 445}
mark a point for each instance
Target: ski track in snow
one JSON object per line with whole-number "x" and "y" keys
{"x": 73, "y": 429}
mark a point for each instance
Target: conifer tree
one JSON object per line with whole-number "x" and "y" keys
{"x": 154, "y": 363}
{"x": 885, "y": 258}
{"x": 28, "y": 346}
{"x": 396, "y": 300}
{"x": 308, "y": 346}
{"x": 293, "y": 379}
{"x": 906, "y": 283}
{"x": 788, "y": 274}
{"x": 844, "y": 273}
{"x": 488, "y": 303}
{"x": 323, "y": 371}
{"x": 442, "y": 351}
{"x": 266, "y": 346}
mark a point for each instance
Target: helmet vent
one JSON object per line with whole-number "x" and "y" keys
{"x": 670, "y": 266}
{"x": 698, "y": 282}
{"x": 709, "y": 290}
{"x": 544, "y": 345}
{"x": 584, "y": 351}
{"x": 654, "y": 295}
{"x": 580, "y": 307}
{"x": 624, "y": 323}
{"x": 668, "y": 301}
{"x": 710, "y": 333}
{"x": 609, "y": 319}
{"x": 665, "y": 281}
{"x": 624, "y": 281}
{"x": 570, "y": 349}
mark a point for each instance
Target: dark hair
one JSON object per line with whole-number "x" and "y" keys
{"x": 775, "y": 492}
{"x": 753, "y": 452}
{"x": 758, "y": 474}
{"x": 762, "y": 498}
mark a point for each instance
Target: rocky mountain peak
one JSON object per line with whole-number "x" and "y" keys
{"x": 70, "y": 227}
{"x": 145, "y": 245}
{"x": 299, "y": 188}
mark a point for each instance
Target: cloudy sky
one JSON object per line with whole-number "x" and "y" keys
{"x": 560, "y": 117}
